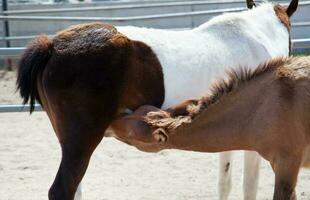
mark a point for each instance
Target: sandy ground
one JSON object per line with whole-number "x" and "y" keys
{"x": 30, "y": 154}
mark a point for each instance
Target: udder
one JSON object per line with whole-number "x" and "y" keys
{"x": 133, "y": 130}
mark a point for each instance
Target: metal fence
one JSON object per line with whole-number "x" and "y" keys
{"x": 18, "y": 108}
{"x": 119, "y": 7}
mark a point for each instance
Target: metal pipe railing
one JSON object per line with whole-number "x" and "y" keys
{"x": 6, "y": 27}
{"x": 11, "y": 52}
{"x": 120, "y": 19}
{"x": 18, "y": 108}
{"x": 135, "y": 6}
{"x": 120, "y": 7}
{"x": 300, "y": 24}
{"x": 301, "y": 43}
{"x": 23, "y": 37}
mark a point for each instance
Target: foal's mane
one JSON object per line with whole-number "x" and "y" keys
{"x": 234, "y": 79}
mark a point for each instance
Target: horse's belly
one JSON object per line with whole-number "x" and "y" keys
{"x": 182, "y": 84}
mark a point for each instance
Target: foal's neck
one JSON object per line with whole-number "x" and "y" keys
{"x": 231, "y": 123}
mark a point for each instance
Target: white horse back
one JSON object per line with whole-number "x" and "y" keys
{"x": 193, "y": 59}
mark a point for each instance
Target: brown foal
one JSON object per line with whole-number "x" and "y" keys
{"x": 266, "y": 110}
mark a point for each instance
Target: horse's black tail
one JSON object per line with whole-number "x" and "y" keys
{"x": 32, "y": 63}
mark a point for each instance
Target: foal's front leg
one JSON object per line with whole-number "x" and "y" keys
{"x": 286, "y": 173}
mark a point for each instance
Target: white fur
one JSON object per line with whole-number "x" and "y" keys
{"x": 224, "y": 181}
{"x": 251, "y": 174}
{"x": 193, "y": 59}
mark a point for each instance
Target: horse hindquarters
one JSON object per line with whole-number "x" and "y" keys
{"x": 78, "y": 81}
{"x": 86, "y": 83}
{"x": 81, "y": 103}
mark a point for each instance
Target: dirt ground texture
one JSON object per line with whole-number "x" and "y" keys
{"x": 30, "y": 155}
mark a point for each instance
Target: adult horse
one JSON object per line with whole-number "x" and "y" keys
{"x": 89, "y": 74}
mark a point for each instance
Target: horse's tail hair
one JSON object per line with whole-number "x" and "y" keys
{"x": 31, "y": 65}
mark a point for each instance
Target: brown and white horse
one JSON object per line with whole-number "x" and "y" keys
{"x": 265, "y": 110}
{"x": 89, "y": 74}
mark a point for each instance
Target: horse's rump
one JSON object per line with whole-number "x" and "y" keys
{"x": 93, "y": 58}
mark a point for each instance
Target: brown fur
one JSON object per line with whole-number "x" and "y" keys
{"x": 284, "y": 15}
{"x": 85, "y": 77}
{"x": 285, "y": 20}
{"x": 84, "y": 38}
{"x": 29, "y": 65}
{"x": 266, "y": 110}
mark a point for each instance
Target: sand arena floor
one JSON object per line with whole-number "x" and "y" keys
{"x": 30, "y": 154}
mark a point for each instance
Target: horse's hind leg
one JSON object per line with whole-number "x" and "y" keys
{"x": 224, "y": 182}
{"x": 78, "y": 141}
{"x": 251, "y": 174}
{"x": 79, "y": 118}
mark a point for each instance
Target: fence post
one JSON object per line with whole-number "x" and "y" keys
{"x": 6, "y": 29}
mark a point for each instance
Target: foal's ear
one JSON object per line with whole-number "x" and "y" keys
{"x": 250, "y": 4}
{"x": 160, "y": 135}
{"x": 292, "y": 8}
